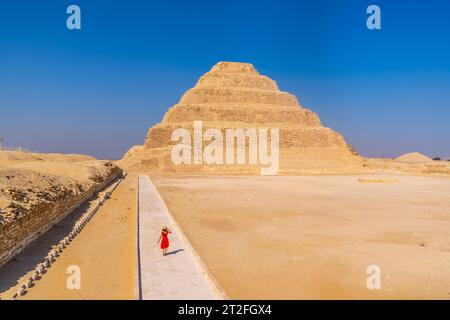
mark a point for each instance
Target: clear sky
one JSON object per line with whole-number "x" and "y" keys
{"x": 97, "y": 90}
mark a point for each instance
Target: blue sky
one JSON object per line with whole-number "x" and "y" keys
{"x": 99, "y": 89}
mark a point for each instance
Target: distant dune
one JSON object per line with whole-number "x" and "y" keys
{"x": 13, "y": 157}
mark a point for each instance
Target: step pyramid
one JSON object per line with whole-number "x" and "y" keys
{"x": 235, "y": 96}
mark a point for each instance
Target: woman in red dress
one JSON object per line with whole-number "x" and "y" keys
{"x": 164, "y": 239}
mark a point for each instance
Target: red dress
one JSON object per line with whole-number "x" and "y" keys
{"x": 164, "y": 240}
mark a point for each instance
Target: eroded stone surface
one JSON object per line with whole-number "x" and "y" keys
{"x": 35, "y": 196}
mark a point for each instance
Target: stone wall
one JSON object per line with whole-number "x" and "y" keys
{"x": 17, "y": 233}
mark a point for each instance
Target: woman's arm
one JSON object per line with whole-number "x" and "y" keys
{"x": 159, "y": 239}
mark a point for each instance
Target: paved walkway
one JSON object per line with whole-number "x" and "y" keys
{"x": 178, "y": 276}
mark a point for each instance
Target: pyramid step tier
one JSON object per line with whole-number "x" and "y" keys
{"x": 237, "y": 81}
{"x": 259, "y": 114}
{"x": 313, "y": 137}
{"x": 243, "y": 96}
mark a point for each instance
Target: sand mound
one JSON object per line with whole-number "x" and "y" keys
{"x": 235, "y": 96}
{"x": 413, "y": 157}
{"x": 10, "y": 159}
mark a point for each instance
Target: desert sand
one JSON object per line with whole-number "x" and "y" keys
{"x": 11, "y": 158}
{"x": 313, "y": 237}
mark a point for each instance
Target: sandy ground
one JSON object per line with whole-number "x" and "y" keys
{"x": 104, "y": 251}
{"x": 313, "y": 237}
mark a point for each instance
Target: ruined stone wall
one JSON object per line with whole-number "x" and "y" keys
{"x": 18, "y": 232}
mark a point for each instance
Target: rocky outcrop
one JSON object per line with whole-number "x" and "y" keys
{"x": 234, "y": 95}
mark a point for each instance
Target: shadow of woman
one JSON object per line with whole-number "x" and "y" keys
{"x": 175, "y": 251}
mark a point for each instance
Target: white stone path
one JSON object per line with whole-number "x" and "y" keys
{"x": 180, "y": 275}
